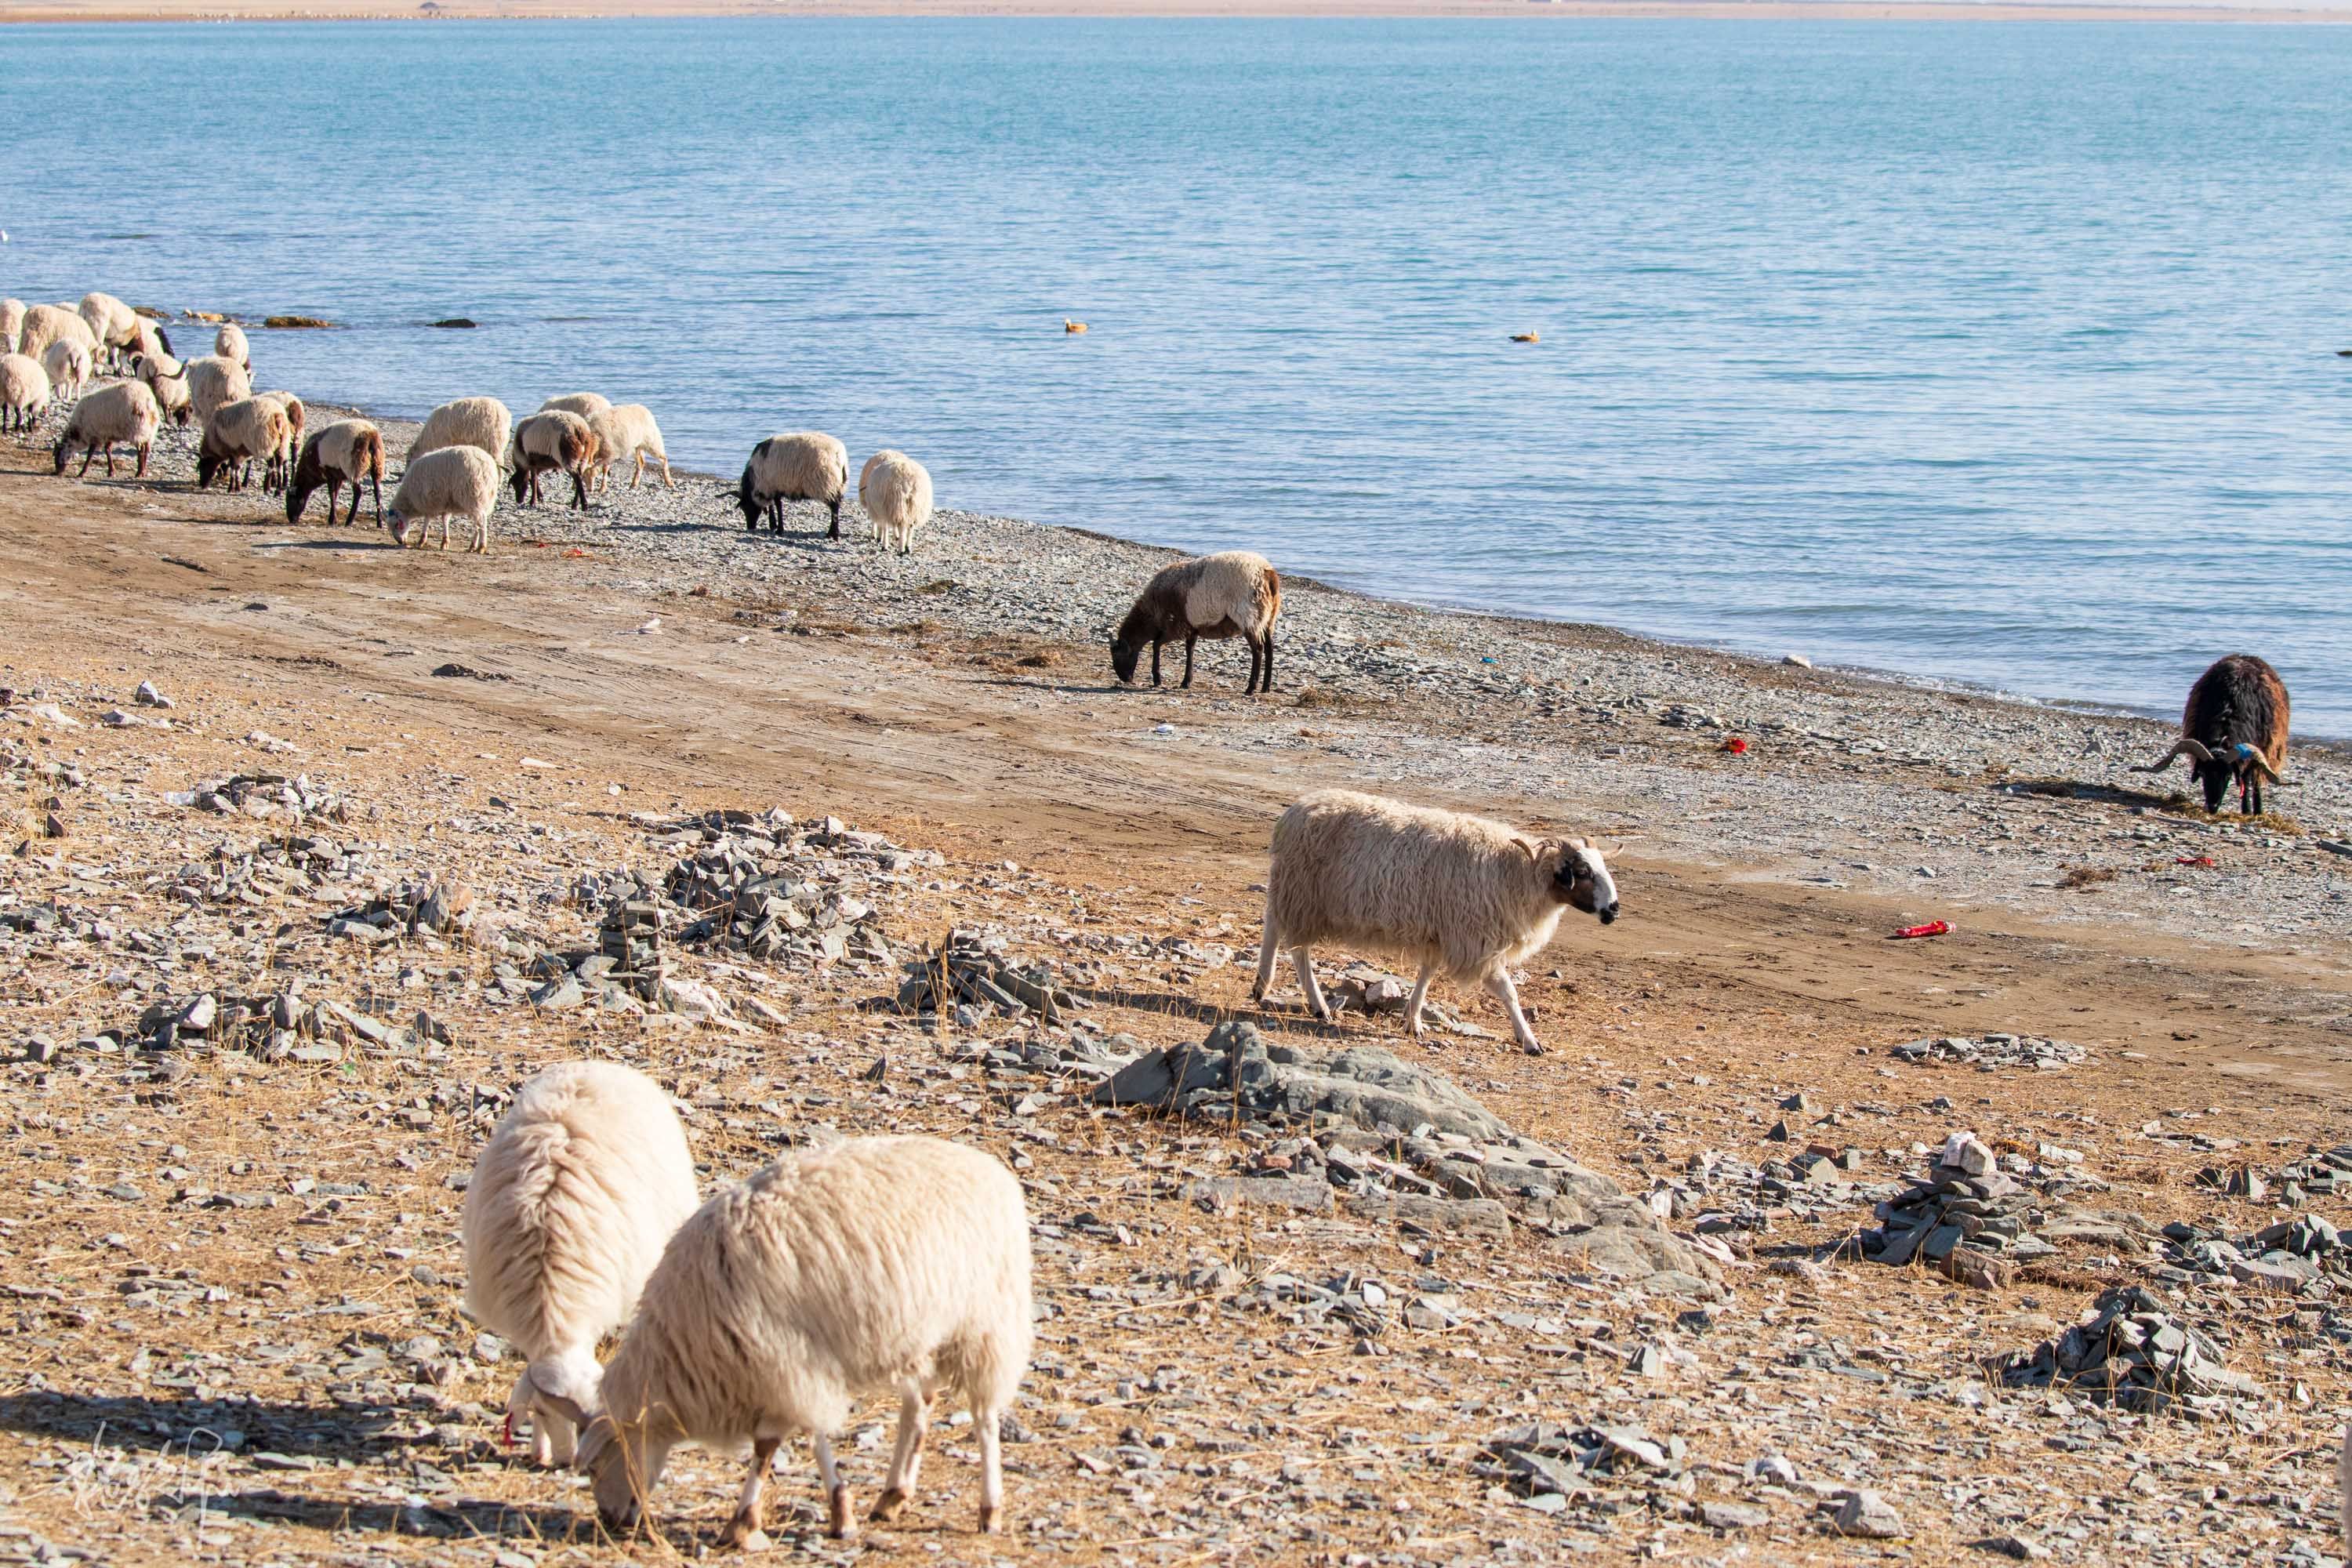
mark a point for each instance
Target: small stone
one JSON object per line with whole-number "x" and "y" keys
{"x": 1733, "y": 1516}
{"x": 148, "y": 697}
{"x": 1867, "y": 1514}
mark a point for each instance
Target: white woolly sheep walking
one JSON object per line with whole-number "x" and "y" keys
{"x": 456, "y": 481}
{"x": 24, "y": 392}
{"x": 345, "y": 452}
{"x": 480, "y": 421}
{"x": 800, "y": 465}
{"x": 68, "y": 367}
{"x": 1233, "y": 593}
{"x": 552, "y": 442}
{"x": 895, "y": 491}
{"x": 122, "y": 414}
{"x": 570, "y": 1203}
{"x": 626, "y": 431}
{"x": 1463, "y": 896}
{"x": 878, "y": 1263}
{"x": 239, "y": 434}
{"x": 46, "y": 324}
{"x": 230, "y": 345}
{"x": 214, "y": 383}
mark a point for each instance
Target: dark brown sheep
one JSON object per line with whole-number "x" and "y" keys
{"x": 2234, "y": 729}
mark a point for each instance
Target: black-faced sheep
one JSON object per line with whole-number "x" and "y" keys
{"x": 801, "y": 465}
{"x": 878, "y": 1263}
{"x": 557, "y": 441}
{"x": 1462, "y": 896}
{"x": 1235, "y": 594}
{"x": 239, "y": 434}
{"x": 2233, "y": 729}
{"x": 345, "y": 452}
{"x": 124, "y": 414}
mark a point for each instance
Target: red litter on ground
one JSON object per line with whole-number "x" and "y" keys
{"x": 575, "y": 550}
{"x": 2194, "y": 860}
{"x": 1933, "y": 928}
{"x": 1735, "y": 746}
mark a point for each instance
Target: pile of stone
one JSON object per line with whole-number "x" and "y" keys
{"x": 1974, "y": 1223}
{"x": 273, "y": 870}
{"x": 1544, "y": 1458}
{"x": 265, "y": 796}
{"x": 1990, "y": 1053}
{"x": 2292, "y": 1254}
{"x": 1391, "y": 1141}
{"x": 1717, "y": 1192}
{"x": 971, "y": 977}
{"x": 805, "y": 893}
{"x": 1375, "y": 993}
{"x": 279, "y": 1026}
{"x": 436, "y": 905}
{"x": 629, "y": 938}
{"x": 2319, "y": 1176}
{"x": 2134, "y": 1351}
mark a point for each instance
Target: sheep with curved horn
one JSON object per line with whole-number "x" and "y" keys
{"x": 2233, "y": 729}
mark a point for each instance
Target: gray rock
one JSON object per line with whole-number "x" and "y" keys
{"x": 1867, "y": 1514}
{"x": 1310, "y": 1194}
{"x": 1733, "y": 1516}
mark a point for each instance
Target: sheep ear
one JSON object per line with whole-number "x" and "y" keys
{"x": 563, "y": 1404}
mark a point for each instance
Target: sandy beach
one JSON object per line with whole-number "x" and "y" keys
{"x": 204, "y": 1237}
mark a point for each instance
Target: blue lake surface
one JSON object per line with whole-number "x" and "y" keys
{"x": 1988, "y": 352}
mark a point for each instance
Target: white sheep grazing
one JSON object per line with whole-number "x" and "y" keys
{"x": 69, "y": 366}
{"x": 554, "y": 442}
{"x": 46, "y": 324}
{"x": 456, "y": 481}
{"x": 625, "y": 431}
{"x": 229, "y": 344}
{"x": 345, "y": 452}
{"x": 570, "y": 1203}
{"x": 895, "y": 491}
{"x": 296, "y": 417}
{"x": 587, "y": 404}
{"x": 12, "y": 321}
{"x": 24, "y": 392}
{"x": 1461, "y": 895}
{"x": 800, "y": 465}
{"x": 237, "y": 435}
{"x": 122, "y": 414}
{"x": 113, "y": 323}
{"x": 215, "y": 381}
{"x": 480, "y": 422}
{"x": 878, "y": 1263}
{"x": 1233, "y": 593}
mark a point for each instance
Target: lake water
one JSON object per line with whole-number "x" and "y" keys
{"x": 1997, "y": 353}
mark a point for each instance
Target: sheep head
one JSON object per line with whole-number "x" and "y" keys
{"x": 1579, "y": 876}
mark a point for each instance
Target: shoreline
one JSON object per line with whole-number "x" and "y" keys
{"x": 195, "y": 11}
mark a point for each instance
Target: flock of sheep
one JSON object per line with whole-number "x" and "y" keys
{"x": 885, "y": 1264}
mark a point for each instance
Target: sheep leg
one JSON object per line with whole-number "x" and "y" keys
{"x": 109, "y": 474}
{"x": 1265, "y": 680}
{"x": 1420, "y": 994}
{"x": 992, "y": 1472}
{"x": 906, "y": 1457}
{"x": 836, "y": 1490}
{"x": 1268, "y": 950}
{"x": 1306, "y": 965}
{"x": 375, "y": 485}
{"x": 1249, "y": 686}
{"x": 87, "y": 454}
{"x": 1189, "y": 638}
{"x": 748, "y": 1528}
{"x": 145, "y": 447}
{"x": 1508, "y": 995}
{"x": 1155, "y": 661}
{"x": 836, "y": 505}
{"x": 668, "y": 483}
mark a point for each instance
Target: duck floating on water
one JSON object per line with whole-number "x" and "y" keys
{"x": 1074, "y": 328}
{"x": 1526, "y": 337}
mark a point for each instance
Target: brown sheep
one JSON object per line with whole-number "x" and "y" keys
{"x": 2234, "y": 728}
{"x": 1232, "y": 594}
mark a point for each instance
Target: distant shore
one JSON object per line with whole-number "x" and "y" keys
{"x": 54, "y": 11}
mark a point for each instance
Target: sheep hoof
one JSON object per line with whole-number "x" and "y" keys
{"x": 886, "y": 1506}
{"x": 743, "y": 1535}
{"x": 838, "y": 1524}
{"x": 992, "y": 1520}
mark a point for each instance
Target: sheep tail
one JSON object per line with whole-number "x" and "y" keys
{"x": 1270, "y": 605}
{"x": 1268, "y": 944}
